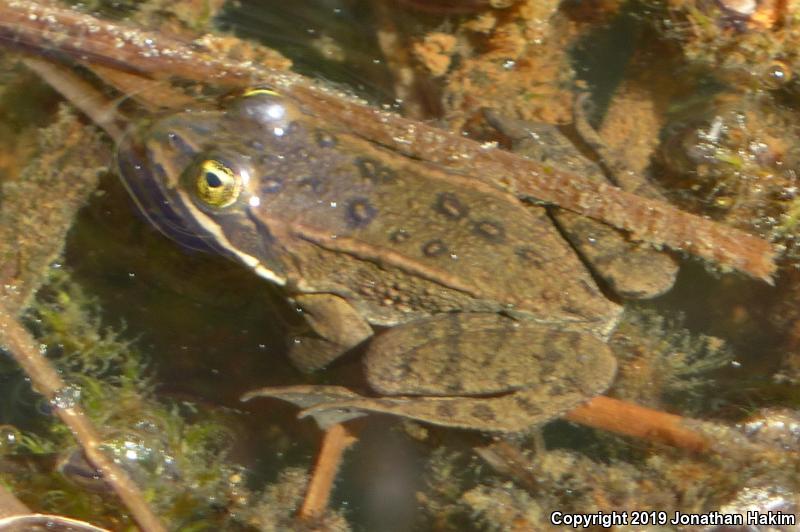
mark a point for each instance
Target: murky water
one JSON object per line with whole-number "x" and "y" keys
{"x": 713, "y": 128}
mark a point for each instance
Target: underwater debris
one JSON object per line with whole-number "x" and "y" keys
{"x": 435, "y": 52}
{"x": 656, "y": 223}
{"x": 178, "y": 452}
{"x": 734, "y": 157}
{"x": 275, "y": 509}
{"x": 63, "y": 172}
{"x": 663, "y": 365}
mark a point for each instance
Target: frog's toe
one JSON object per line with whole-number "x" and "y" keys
{"x": 641, "y": 273}
{"x": 303, "y": 396}
{"x": 309, "y": 397}
{"x": 515, "y": 412}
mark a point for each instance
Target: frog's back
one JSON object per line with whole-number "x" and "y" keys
{"x": 401, "y": 235}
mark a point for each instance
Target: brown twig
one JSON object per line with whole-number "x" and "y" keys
{"x": 629, "y": 419}
{"x": 80, "y": 94}
{"x": 55, "y": 185}
{"x": 334, "y": 443}
{"x": 53, "y": 30}
{"x": 611, "y": 415}
{"x": 10, "y": 505}
{"x": 16, "y": 340}
{"x": 652, "y": 221}
{"x": 46, "y": 522}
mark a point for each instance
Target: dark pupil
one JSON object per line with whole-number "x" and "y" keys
{"x": 213, "y": 180}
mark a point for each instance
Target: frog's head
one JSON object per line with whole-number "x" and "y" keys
{"x": 193, "y": 176}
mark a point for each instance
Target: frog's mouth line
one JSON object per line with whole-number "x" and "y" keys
{"x": 208, "y": 226}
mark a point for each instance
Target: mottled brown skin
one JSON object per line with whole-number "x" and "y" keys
{"x": 494, "y": 322}
{"x": 630, "y": 269}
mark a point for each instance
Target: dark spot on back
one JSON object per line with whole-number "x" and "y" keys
{"x": 399, "y": 236}
{"x": 302, "y": 154}
{"x": 200, "y": 128}
{"x": 450, "y": 206}
{"x": 374, "y": 171}
{"x": 502, "y": 377}
{"x": 550, "y": 357}
{"x": 434, "y": 248}
{"x": 483, "y": 412}
{"x": 360, "y": 212}
{"x": 529, "y": 255}
{"x": 527, "y": 406}
{"x": 271, "y": 185}
{"x": 446, "y": 410}
{"x": 311, "y": 184}
{"x": 575, "y": 343}
{"x": 491, "y": 231}
{"x": 325, "y": 139}
{"x": 404, "y": 368}
{"x": 573, "y": 380}
{"x": 452, "y": 387}
{"x": 293, "y": 128}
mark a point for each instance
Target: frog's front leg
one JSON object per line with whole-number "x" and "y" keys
{"x": 477, "y": 371}
{"x": 338, "y": 325}
{"x": 628, "y": 268}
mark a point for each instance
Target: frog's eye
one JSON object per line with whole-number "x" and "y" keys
{"x": 265, "y": 107}
{"x": 777, "y": 74}
{"x": 216, "y": 184}
{"x": 260, "y": 91}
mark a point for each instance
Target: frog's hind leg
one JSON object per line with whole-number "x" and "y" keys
{"x": 514, "y": 412}
{"x": 479, "y": 370}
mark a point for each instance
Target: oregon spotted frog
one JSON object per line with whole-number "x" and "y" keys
{"x": 493, "y": 321}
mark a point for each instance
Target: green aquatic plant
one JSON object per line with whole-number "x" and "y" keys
{"x": 176, "y": 451}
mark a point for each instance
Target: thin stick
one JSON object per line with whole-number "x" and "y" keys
{"x": 46, "y": 522}
{"x": 80, "y": 94}
{"x": 652, "y": 221}
{"x": 629, "y": 419}
{"x": 54, "y": 30}
{"x": 15, "y": 339}
{"x": 10, "y": 505}
{"x": 334, "y": 443}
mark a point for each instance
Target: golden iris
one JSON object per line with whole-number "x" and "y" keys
{"x": 216, "y": 184}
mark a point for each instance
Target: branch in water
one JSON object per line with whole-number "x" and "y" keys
{"x": 55, "y": 31}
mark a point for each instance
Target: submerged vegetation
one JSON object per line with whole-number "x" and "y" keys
{"x": 177, "y": 449}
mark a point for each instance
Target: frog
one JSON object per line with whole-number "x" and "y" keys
{"x": 473, "y": 312}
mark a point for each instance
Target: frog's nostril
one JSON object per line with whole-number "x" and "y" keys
{"x": 271, "y": 185}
